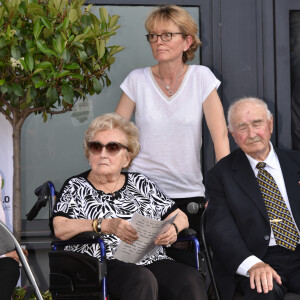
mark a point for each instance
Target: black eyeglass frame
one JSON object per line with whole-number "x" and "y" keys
{"x": 89, "y": 144}
{"x": 161, "y": 36}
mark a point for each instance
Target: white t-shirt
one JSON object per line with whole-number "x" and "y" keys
{"x": 170, "y": 129}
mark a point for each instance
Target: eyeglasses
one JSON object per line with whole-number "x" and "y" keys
{"x": 111, "y": 148}
{"x": 165, "y": 36}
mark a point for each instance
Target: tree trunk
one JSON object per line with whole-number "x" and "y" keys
{"x": 17, "y": 180}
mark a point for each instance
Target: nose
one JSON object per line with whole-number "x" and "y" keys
{"x": 103, "y": 152}
{"x": 251, "y": 132}
{"x": 159, "y": 40}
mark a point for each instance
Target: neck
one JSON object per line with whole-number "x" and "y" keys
{"x": 170, "y": 72}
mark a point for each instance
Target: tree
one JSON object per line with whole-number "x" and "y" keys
{"x": 52, "y": 53}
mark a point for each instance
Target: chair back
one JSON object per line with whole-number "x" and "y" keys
{"x": 6, "y": 243}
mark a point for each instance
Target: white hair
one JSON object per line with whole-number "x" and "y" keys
{"x": 246, "y": 100}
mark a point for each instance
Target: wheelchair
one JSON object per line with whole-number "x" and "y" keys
{"x": 214, "y": 292}
{"x": 80, "y": 276}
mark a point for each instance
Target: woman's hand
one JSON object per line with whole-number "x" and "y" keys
{"x": 167, "y": 238}
{"x": 120, "y": 228}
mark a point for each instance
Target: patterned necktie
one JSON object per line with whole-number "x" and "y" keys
{"x": 283, "y": 226}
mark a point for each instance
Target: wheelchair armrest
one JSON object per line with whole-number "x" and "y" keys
{"x": 81, "y": 238}
{"x": 187, "y": 232}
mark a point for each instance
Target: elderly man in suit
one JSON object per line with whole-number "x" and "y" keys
{"x": 253, "y": 215}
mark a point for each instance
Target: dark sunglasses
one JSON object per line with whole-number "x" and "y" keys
{"x": 111, "y": 148}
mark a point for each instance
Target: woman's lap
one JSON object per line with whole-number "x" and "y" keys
{"x": 171, "y": 280}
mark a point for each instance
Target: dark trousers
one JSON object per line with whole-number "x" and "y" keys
{"x": 9, "y": 275}
{"x": 287, "y": 264}
{"x": 164, "y": 280}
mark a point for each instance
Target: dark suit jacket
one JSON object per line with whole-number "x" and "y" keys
{"x": 237, "y": 222}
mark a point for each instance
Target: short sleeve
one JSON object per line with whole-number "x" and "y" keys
{"x": 129, "y": 85}
{"x": 209, "y": 82}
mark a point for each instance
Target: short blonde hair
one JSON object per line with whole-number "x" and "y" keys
{"x": 114, "y": 121}
{"x": 246, "y": 100}
{"x": 182, "y": 19}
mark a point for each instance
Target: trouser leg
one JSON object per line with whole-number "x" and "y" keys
{"x": 249, "y": 294}
{"x": 129, "y": 281}
{"x": 9, "y": 274}
{"x": 178, "y": 281}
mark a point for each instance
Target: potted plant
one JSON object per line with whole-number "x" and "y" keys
{"x": 52, "y": 53}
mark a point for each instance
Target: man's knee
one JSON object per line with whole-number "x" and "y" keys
{"x": 275, "y": 294}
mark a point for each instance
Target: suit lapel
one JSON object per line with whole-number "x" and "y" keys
{"x": 244, "y": 177}
{"x": 291, "y": 175}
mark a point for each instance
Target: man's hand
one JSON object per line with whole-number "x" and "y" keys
{"x": 261, "y": 277}
{"x": 14, "y": 255}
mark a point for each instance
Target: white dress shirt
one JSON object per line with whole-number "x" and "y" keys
{"x": 273, "y": 167}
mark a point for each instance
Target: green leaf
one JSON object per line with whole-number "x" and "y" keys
{"x": 72, "y": 66}
{"x": 46, "y": 22}
{"x": 22, "y": 8}
{"x": 57, "y": 3}
{"x": 66, "y": 56}
{"x": 76, "y": 76}
{"x": 83, "y": 56}
{"x": 86, "y": 21}
{"x": 28, "y": 96}
{"x": 23, "y": 63}
{"x": 15, "y": 52}
{"x": 44, "y": 65}
{"x": 115, "y": 49}
{"x": 103, "y": 14}
{"x": 2, "y": 10}
{"x": 2, "y": 81}
{"x": 36, "y": 71}
{"x": 37, "y": 29}
{"x": 41, "y": 44}
{"x": 29, "y": 61}
{"x": 68, "y": 93}
{"x": 79, "y": 45}
{"x": 52, "y": 95}
{"x": 60, "y": 44}
{"x": 101, "y": 49}
{"x": 2, "y": 42}
{"x": 66, "y": 23}
{"x": 63, "y": 73}
{"x": 113, "y": 21}
{"x": 97, "y": 85}
{"x": 73, "y": 16}
{"x": 71, "y": 38}
{"x": 17, "y": 89}
{"x": 45, "y": 116}
{"x": 35, "y": 9}
{"x": 40, "y": 84}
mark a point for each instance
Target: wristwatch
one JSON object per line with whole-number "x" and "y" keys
{"x": 99, "y": 221}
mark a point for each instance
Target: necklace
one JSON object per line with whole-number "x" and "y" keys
{"x": 168, "y": 87}
{"x": 111, "y": 191}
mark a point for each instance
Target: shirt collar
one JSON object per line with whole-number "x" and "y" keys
{"x": 271, "y": 160}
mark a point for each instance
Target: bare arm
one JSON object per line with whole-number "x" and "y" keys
{"x": 170, "y": 236}
{"x": 125, "y": 107}
{"x": 65, "y": 228}
{"x": 214, "y": 115}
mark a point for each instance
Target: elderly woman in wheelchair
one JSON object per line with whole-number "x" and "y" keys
{"x": 104, "y": 199}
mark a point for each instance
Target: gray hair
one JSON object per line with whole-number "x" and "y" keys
{"x": 114, "y": 121}
{"x": 246, "y": 100}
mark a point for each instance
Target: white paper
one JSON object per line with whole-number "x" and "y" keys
{"x": 147, "y": 230}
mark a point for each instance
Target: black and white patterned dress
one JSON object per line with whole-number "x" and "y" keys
{"x": 79, "y": 199}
